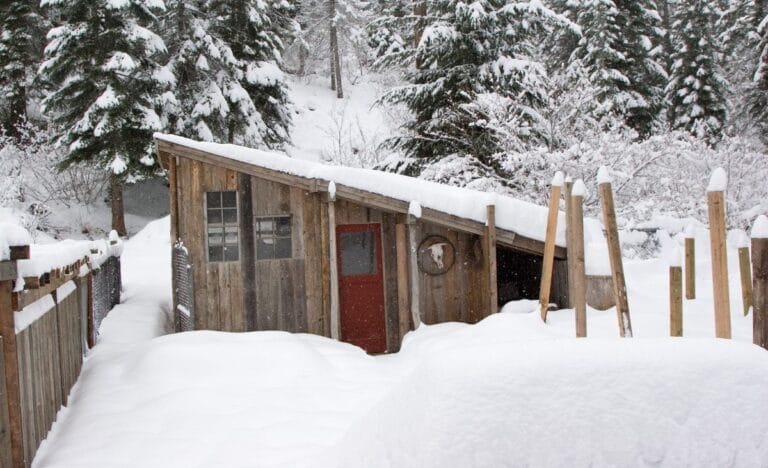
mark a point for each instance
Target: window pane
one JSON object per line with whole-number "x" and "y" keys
{"x": 231, "y": 237}
{"x": 264, "y": 250}
{"x": 215, "y": 239}
{"x": 231, "y": 253}
{"x": 283, "y": 248}
{"x": 230, "y": 199}
{"x": 215, "y": 253}
{"x": 358, "y": 253}
{"x": 284, "y": 226}
{"x": 230, "y": 216}
{"x": 214, "y": 216}
{"x": 265, "y": 227}
{"x": 214, "y": 199}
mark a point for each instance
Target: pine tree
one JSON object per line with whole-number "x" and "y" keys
{"x": 468, "y": 54}
{"x": 758, "y": 94}
{"x": 618, "y": 50}
{"x": 696, "y": 90}
{"x": 22, "y": 31}
{"x": 255, "y": 31}
{"x": 101, "y": 66}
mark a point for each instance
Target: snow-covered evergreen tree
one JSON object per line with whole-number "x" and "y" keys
{"x": 618, "y": 51}
{"x": 105, "y": 80}
{"x": 22, "y": 31}
{"x": 758, "y": 94}
{"x": 696, "y": 90}
{"x": 255, "y": 32}
{"x": 470, "y": 54}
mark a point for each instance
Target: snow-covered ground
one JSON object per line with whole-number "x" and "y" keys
{"x": 509, "y": 391}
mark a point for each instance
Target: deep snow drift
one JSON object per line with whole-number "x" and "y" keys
{"x": 508, "y": 391}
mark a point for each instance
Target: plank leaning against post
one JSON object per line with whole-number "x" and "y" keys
{"x": 716, "y": 210}
{"x": 760, "y": 281}
{"x": 549, "y": 244}
{"x": 576, "y": 253}
{"x": 614, "y": 251}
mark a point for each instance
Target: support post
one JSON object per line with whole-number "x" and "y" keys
{"x": 549, "y": 245}
{"x": 716, "y": 211}
{"x": 413, "y": 245}
{"x": 690, "y": 266}
{"x": 11, "y": 364}
{"x": 576, "y": 255}
{"x": 334, "y": 266}
{"x": 614, "y": 251}
{"x": 760, "y": 281}
{"x": 675, "y": 300}
{"x": 404, "y": 315}
{"x": 745, "y": 272}
{"x": 490, "y": 239}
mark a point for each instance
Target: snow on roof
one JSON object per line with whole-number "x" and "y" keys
{"x": 524, "y": 218}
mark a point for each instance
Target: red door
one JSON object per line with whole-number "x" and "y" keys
{"x": 361, "y": 286}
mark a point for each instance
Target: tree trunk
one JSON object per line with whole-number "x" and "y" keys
{"x": 335, "y": 59}
{"x": 118, "y": 213}
{"x": 419, "y": 9}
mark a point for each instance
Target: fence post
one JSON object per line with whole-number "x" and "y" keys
{"x": 8, "y": 276}
{"x": 568, "y": 188}
{"x": 716, "y": 211}
{"x": 549, "y": 244}
{"x": 576, "y": 252}
{"x": 745, "y": 272}
{"x": 760, "y": 281}
{"x": 690, "y": 263}
{"x": 614, "y": 251}
{"x": 675, "y": 296}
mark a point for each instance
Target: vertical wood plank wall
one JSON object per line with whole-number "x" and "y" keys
{"x": 294, "y": 294}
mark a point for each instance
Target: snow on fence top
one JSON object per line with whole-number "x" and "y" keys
{"x": 719, "y": 180}
{"x": 526, "y": 219}
{"x": 12, "y": 235}
{"x": 760, "y": 229}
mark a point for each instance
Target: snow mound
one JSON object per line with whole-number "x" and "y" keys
{"x": 603, "y": 176}
{"x": 572, "y": 403}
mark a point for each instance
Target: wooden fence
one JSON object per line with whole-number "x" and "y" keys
{"x": 44, "y": 331}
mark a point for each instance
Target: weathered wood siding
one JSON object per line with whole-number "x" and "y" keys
{"x": 218, "y": 285}
{"x": 5, "y": 422}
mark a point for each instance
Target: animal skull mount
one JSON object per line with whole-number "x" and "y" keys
{"x": 436, "y": 255}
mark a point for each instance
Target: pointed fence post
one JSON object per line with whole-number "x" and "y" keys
{"x": 576, "y": 253}
{"x": 614, "y": 251}
{"x": 549, "y": 244}
{"x": 760, "y": 281}
{"x": 675, "y": 296}
{"x": 690, "y": 263}
{"x": 716, "y": 211}
{"x": 745, "y": 272}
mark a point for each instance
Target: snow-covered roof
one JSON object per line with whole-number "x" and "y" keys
{"x": 517, "y": 216}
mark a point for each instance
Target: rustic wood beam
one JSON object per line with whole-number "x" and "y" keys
{"x": 490, "y": 242}
{"x": 401, "y": 241}
{"x": 413, "y": 247}
{"x": 20, "y": 252}
{"x": 334, "y": 268}
{"x": 11, "y": 364}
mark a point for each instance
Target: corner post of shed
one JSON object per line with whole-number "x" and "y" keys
{"x": 490, "y": 241}
{"x": 333, "y": 263}
{"x": 11, "y": 441}
{"x": 413, "y": 241}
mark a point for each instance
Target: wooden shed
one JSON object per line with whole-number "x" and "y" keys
{"x": 267, "y": 242}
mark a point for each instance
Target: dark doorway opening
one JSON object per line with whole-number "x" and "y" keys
{"x": 518, "y": 275}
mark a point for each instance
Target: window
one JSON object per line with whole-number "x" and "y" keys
{"x": 222, "y": 226}
{"x": 358, "y": 253}
{"x": 273, "y": 237}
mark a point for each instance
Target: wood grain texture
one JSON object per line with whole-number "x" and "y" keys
{"x": 745, "y": 273}
{"x": 5, "y": 422}
{"x": 568, "y": 188}
{"x": 490, "y": 239}
{"x": 548, "y": 263}
{"x": 391, "y": 298}
{"x": 404, "y": 312}
{"x": 413, "y": 269}
{"x": 576, "y": 255}
{"x": 11, "y": 366}
{"x": 675, "y": 301}
{"x": 716, "y": 212}
{"x": 333, "y": 273}
{"x": 690, "y": 269}
{"x": 614, "y": 254}
{"x": 760, "y": 292}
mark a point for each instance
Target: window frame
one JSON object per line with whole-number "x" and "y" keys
{"x": 223, "y": 224}
{"x": 257, "y": 235}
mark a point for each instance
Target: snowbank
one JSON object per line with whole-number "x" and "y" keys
{"x": 572, "y": 403}
{"x": 513, "y": 215}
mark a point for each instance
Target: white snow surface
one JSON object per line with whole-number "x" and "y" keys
{"x": 29, "y": 314}
{"x": 579, "y": 189}
{"x": 12, "y": 235}
{"x": 509, "y": 391}
{"x": 760, "y": 228}
{"x": 718, "y": 181}
{"x": 521, "y": 217}
{"x": 558, "y": 179}
{"x": 603, "y": 175}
